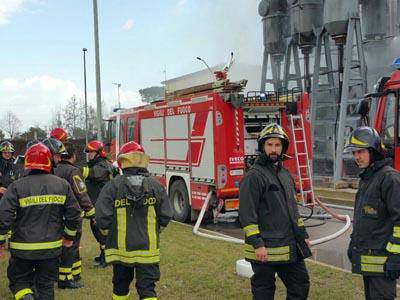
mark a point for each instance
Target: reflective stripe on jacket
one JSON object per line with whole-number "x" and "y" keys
{"x": 40, "y": 209}
{"x": 376, "y": 224}
{"x": 268, "y": 212}
{"x": 97, "y": 173}
{"x": 131, "y": 208}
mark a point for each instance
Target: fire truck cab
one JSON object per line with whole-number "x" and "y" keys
{"x": 386, "y": 119}
{"x": 199, "y": 141}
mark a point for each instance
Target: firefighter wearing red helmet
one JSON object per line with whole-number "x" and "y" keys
{"x": 59, "y": 134}
{"x": 374, "y": 248}
{"x": 97, "y": 173}
{"x": 70, "y": 262}
{"x": 35, "y": 204}
{"x": 133, "y": 207}
{"x": 276, "y": 240}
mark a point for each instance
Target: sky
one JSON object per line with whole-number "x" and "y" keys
{"x": 141, "y": 44}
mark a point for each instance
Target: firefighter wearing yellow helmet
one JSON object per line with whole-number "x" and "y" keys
{"x": 374, "y": 248}
{"x": 276, "y": 240}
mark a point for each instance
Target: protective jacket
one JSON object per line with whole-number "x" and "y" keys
{"x": 40, "y": 209}
{"x": 268, "y": 212}
{"x": 376, "y": 224}
{"x": 132, "y": 208}
{"x": 73, "y": 175}
{"x": 97, "y": 173}
{"x": 8, "y": 172}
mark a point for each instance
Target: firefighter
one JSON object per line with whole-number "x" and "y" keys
{"x": 43, "y": 213}
{"x": 8, "y": 169}
{"x": 97, "y": 173}
{"x": 59, "y": 134}
{"x": 374, "y": 248}
{"x": 133, "y": 208}
{"x": 56, "y": 148}
{"x": 276, "y": 240}
{"x": 71, "y": 263}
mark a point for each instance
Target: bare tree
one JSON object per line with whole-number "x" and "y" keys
{"x": 10, "y": 124}
{"x": 56, "y": 119}
{"x": 74, "y": 115}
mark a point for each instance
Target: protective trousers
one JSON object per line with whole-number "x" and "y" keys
{"x": 70, "y": 261}
{"x": 146, "y": 277}
{"x": 294, "y": 276}
{"x": 379, "y": 288}
{"x": 26, "y": 276}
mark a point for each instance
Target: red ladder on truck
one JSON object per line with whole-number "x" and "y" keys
{"x": 303, "y": 168}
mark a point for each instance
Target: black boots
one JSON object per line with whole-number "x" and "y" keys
{"x": 100, "y": 261}
{"x": 69, "y": 284}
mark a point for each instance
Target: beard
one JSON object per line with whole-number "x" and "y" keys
{"x": 273, "y": 157}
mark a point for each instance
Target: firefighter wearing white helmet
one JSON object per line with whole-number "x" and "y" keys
{"x": 374, "y": 248}
{"x": 276, "y": 240}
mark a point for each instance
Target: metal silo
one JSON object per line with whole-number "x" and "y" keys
{"x": 276, "y": 30}
{"x": 275, "y": 24}
{"x": 305, "y": 15}
{"x": 337, "y": 14}
{"x": 374, "y": 19}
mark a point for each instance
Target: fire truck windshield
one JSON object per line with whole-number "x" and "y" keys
{"x": 388, "y": 122}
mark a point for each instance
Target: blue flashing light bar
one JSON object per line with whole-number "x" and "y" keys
{"x": 396, "y": 63}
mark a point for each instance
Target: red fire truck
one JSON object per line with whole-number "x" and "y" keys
{"x": 387, "y": 120}
{"x": 201, "y": 139}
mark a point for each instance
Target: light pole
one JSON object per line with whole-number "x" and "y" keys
{"x": 118, "y": 86}
{"x": 98, "y": 83}
{"x": 84, "y": 80}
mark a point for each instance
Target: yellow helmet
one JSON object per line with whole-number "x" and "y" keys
{"x": 273, "y": 131}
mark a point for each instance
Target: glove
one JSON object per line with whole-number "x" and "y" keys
{"x": 392, "y": 267}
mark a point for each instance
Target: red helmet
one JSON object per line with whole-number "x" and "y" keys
{"x": 96, "y": 146}
{"x": 59, "y": 134}
{"x": 131, "y": 147}
{"x": 132, "y": 154}
{"x": 38, "y": 157}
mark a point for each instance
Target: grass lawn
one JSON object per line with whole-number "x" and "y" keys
{"x": 196, "y": 268}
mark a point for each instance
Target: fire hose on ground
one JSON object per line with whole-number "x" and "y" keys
{"x": 242, "y": 267}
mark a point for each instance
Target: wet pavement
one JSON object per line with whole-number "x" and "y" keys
{"x": 333, "y": 252}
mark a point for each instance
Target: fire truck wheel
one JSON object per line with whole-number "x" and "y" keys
{"x": 179, "y": 198}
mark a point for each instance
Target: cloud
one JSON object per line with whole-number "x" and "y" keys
{"x": 182, "y": 2}
{"x": 128, "y": 25}
{"x": 7, "y": 8}
{"x": 34, "y": 99}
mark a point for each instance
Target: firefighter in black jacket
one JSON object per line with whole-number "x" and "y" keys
{"x": 275, "y": 237}
{"x": 97, "y": 173}
{"x": 133, "y": 208}
{"x": 71, "y": 263}
{"x": 374, "y": 249}
{"x": 43, "y": 214}
{"x": 8, "y": 170}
